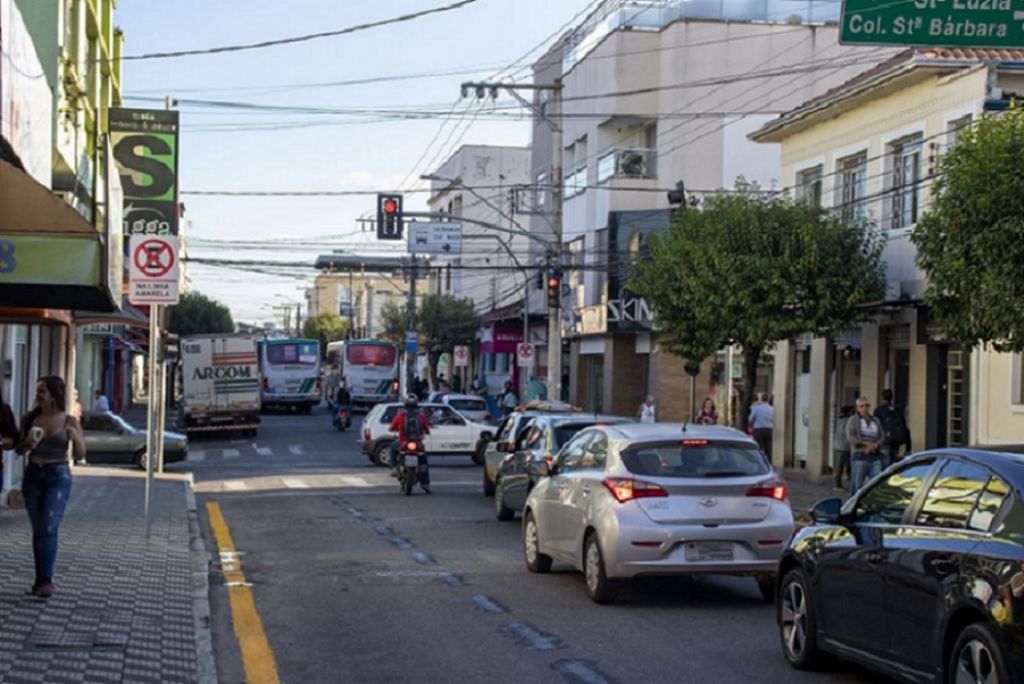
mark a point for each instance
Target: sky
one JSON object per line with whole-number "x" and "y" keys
{"x": 229, "y": 148}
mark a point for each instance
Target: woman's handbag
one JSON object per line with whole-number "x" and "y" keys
{"x": 14, "y": 473}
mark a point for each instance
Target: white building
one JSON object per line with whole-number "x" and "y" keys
{"x": 654, "y": 93}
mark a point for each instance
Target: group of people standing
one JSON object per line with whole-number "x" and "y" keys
{"x": 43, "y": 439}
{"x": 866, "y": 442}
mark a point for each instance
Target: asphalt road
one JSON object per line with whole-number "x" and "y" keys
{"x": 356, "y": 583}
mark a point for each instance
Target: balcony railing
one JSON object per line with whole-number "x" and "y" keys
{"x": 627, "y": 163}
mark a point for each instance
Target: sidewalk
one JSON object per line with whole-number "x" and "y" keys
{"x": 125, "y": 610}
{"x": 803, "y": 494}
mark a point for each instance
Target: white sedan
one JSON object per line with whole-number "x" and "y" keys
{"x": 635, "y": 499}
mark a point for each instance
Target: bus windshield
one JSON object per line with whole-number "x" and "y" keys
{"x": 370, "y": 355}
{"x": 292, "y": 352}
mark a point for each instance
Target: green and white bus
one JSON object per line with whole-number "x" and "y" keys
{"x": 290, "y": 370}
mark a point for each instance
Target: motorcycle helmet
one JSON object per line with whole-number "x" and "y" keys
{"x": 411, "y": 401}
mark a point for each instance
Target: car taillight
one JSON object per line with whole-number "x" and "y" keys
{"x": 366, "y": 435}
{"x": 773, "y": 489}
{"x": 627, "y": 489}
{"x": 319, "y": 385}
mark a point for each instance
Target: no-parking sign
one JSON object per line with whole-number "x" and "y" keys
{"x": 153, "y": 272}
{"x": 525, "y": 354}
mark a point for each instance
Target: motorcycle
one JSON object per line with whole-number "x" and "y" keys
{"x": 410, "y": 465}
{"x": 342, "y": 419}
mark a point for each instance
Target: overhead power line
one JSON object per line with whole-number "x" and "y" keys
{"x": 302, "y": 38}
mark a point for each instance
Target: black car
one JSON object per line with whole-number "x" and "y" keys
{"x": 539, "y": 439}
{"x": 920, "y": 575}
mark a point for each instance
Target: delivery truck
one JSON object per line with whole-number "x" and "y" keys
{"x": 220, "y": 381}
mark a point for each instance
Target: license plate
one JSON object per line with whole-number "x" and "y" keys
{"x": 709, "y": 551}
{"x": 412, "y": 461}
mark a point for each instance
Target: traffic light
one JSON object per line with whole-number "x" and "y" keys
{"x": 554, "y": 288}
{"x": 389, "y": 217}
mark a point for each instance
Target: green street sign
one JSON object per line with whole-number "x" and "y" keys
{"x": 933, "y": 23}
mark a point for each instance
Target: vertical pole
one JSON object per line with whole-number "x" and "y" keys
{"x": 151, "y": 407}
{"x": 729, "y": 417}
{"x": 554, "y": 318}
{"x": 410, "y": 356}
{"x": 161, "y": 388}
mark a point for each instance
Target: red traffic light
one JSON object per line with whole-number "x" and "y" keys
{"x": 553, "y": 282}
{"x": 390, "y": 206}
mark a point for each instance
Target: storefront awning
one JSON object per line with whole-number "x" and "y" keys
{"x": 50, "y": 257}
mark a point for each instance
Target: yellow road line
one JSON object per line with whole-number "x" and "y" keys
{"x": 257, "y": 658}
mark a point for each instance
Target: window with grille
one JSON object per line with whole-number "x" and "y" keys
{"x": 906, "y": 181}
{"x": 853, "y": 186}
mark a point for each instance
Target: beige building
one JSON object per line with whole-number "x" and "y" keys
{"x": 357, "y": 297}
{"x": 654, "y": 94}
{"x": 870, "y": 147}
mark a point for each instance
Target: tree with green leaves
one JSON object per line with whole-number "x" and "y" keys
{"x": 444, "y": 322}
{"x": 326, "y": 327}
{"x": 197, "y": 314}
{"x": 394, "y": 321}
{"x": 753, "y": 270}
{"x": 970, "y": 243}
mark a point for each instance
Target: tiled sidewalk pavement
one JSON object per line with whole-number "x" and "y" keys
{"x": 125, "y": 610}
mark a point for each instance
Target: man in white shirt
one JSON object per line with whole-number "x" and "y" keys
{"x": 100, "y": 403}
{"x": 762, "y": 422}
{"x": 647, "y": 413}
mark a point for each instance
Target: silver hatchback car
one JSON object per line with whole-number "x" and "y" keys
{"x": 636, "y": 499}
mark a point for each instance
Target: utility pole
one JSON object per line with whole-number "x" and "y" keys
{"x": 551, "y": 118}
{"x": 410, "y": 350}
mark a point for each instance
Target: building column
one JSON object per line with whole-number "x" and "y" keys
{"x": 924, "y": 387}
{"x": 575, "y": 374}
{"x": 872, "y": 364}
{"x": 782, "y": 391}
{"x": 819, "y": 434}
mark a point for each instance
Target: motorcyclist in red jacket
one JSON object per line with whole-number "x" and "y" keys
{"x": 410, "y": 423}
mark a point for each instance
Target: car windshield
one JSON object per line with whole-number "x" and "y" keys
{"x": 695, "y": 458}
{"x": 468, "y": 404}
{"x": 563, "y": 433}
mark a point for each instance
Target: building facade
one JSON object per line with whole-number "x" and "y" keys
{"x": 653, "y": 94}
{"x": 870, "y": 148}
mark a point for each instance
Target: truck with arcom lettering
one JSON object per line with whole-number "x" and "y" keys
{"x": 220, "y": 384}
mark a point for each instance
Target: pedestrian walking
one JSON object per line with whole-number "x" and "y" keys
{"x": 708, "y": 414}
{"x": 762, "y": 421}
{"x": 841, "y": 446}
{"x": 647, "y": 412}
{"x": 864, "y": 433}
{"x": 46, "y": 432}
{"x": 509, "y": 400}
{"x": 894, "y": 429}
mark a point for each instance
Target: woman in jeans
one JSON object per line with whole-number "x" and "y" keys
{"x": 864, "y": 433}
{"x": 46, "y": 432}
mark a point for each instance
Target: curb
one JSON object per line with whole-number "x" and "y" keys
{"x": 206, "y": 665}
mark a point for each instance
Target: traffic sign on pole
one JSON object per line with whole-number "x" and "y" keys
{"x": 525, "y": 355}
{"x": 153, "y": 271}
{"x": 461, "y": 355}
{"x": 934, "y": 23}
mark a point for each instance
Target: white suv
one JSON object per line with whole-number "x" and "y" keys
{"x": 451, "y": 433}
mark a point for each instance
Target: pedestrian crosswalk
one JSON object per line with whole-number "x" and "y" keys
{"x": 290, "y": 483}
{"x": 253, "y": 450}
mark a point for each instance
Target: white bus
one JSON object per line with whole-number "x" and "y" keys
{"x": 291, "y": 374}
{"x": 368, "y": 366}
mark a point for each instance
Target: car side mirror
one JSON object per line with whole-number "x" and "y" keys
{"x": 827, "y": 511}
{"x": 503, "y": 447}
{"x": 541, "y": 468}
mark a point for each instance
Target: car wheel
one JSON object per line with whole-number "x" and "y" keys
{"x": 766, "y": 585}
{"x": 978, "y": 657}
{"x": 797, "y": 622}
{"x": 503, "y": 512}
{"x": 535, "y": 560}
{"x": 488, "y": 484}
{"x": 599, "y": 587}
{"x": 381, "y": 455}
{"x": 141, "y": 459}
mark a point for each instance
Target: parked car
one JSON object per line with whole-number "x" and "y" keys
{"x": 540, "y": 439}
{"x": 510, "y": 428}
{"x": 469, "y": 405}
{"x": 451, "y": 433}
{"x": 920, "y": 575}
{"x": 636, "y": 499}
{"x": 110, "y": 439}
